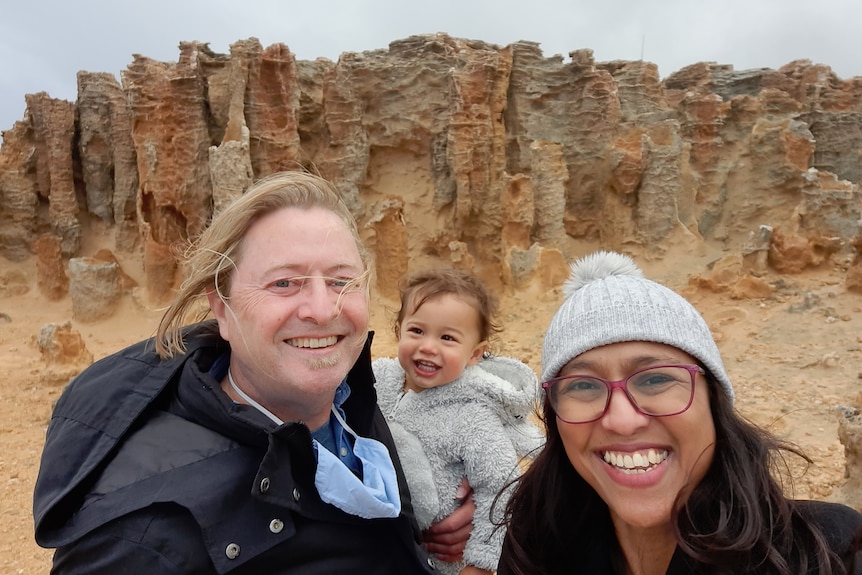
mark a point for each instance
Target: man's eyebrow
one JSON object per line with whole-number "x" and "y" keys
{"x": 300, "y": 270}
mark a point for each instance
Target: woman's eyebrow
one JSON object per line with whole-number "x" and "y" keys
{"x": 629, "y": 364}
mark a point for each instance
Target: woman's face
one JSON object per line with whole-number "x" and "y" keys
{"x": 638, "y": 464}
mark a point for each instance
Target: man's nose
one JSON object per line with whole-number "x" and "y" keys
{"x": 318, "y": 302}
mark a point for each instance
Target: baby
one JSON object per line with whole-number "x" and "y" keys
{"x": 455, "y": 410}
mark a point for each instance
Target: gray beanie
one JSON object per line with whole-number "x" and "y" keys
{"x": 609, "y": 301}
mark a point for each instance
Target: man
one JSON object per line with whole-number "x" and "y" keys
{"x": 247, "y": 444}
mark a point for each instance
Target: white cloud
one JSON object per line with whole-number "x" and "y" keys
{"x": 44, "y": 43}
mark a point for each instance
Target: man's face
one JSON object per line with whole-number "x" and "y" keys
{"x": 295, "y": 323}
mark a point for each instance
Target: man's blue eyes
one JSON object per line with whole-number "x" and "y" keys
{"x": 334, "y": 282}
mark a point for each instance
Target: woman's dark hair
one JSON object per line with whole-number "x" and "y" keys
{"x": 855, "y": 552}
{"x": 550, "y": 510}
{"x": 736, "y": 520}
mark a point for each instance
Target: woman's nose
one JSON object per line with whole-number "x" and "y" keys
{"x": 622, "y": 417}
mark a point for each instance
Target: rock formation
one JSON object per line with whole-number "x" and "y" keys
{"x": 445, "y": 149}
{"x": 850, "y": 434}
{"x": 64, "y": 352}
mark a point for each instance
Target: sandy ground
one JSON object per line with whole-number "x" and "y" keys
{"x": 793, "y": 356}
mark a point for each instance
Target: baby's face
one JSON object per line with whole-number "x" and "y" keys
{"x": 438, "y": 340}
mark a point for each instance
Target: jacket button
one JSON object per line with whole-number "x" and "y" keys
{"x": 232, "y": 551}
{"x": 264, "y": 485}
{"x": 276, "y": 525}
{"x": 431, "y": 564}
{"x": 295, "y": 494}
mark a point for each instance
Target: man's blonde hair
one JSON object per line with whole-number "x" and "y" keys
{"x": 210, "y": 260}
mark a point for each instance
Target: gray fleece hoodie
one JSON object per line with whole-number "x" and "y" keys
{"x": 475, "y": 427}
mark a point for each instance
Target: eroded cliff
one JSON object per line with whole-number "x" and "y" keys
{"x": 446, "y": 149}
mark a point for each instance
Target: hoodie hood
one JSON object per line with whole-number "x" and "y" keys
{"x": 505, "y": 385}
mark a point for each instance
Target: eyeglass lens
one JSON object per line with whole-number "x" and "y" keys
{"x": 658, "y": 391}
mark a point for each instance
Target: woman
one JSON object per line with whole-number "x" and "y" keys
{"x": 647, "y": 468}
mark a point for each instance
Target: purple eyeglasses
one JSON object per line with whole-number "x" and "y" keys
{"x": 658, "y": 391}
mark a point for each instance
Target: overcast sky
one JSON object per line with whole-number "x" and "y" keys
{"x": 44, "y": 43}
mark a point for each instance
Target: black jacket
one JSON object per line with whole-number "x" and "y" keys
{"x": 148, "y": 467}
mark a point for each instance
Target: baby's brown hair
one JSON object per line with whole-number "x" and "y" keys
{"x": 427, "y": 285}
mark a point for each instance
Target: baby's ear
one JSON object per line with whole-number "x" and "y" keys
{"x": 478, "y": 352}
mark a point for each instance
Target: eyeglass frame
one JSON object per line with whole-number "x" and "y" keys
{"x": 692, "y": 369}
